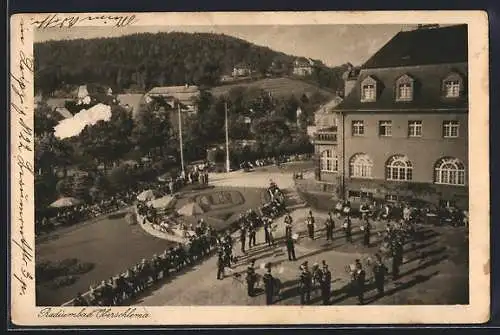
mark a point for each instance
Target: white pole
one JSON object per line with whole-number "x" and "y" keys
{"x": 228, "y": 168}
{"x": 180, "y": 137}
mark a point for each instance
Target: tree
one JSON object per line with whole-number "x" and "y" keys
{"x": 106, "y": 142}
{"x": 270, "y": 132}
{"x": 153, "y": 130}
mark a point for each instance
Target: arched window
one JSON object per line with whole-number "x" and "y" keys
{"x": 361, "y": 166}
{"x": 449, "y": 171}
{"x": 398, "y": 167}
{"x": 329, "y": 162}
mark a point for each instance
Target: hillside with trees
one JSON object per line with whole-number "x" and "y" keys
{"x": 142, "y": 61}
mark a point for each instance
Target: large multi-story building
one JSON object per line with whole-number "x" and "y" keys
{"x": 403, "y": 128}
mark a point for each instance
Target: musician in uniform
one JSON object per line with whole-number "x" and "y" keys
{"x": 305, "y": 284}
{"x": 251, "y": 278}
{"x": 379, "y": 272}
{"x": 397, "y": 255}
{"x": 290, "y": 246}
{"x": 326, "y": 284}
{"x": 267, "y": 231}
{"x": 348, "y": 229}
{"x": 268, "y": 285}
{"x": 251, "y": 235}
{"x": 220, "y": 265}
{"x": 329, "y": 225}
{"x": 366, "y": 231}
{"x": 288, "y": 223}
{"x": 358, "y": 281}
{"x": 310, "y": 225}
{"x": 243, "y": 235}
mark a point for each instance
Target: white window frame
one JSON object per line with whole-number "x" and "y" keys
{"x": 329, "y": 161}
{"x": 415, "y": 128}
{"x": 399, "y": 168}
{"x": 386, "y": 125}
{"x": 453, "y": 86}
{"x": 451, "y": 129}
{"x": 361, "y": 166}
{"x": 358, "y": 128}
{"x": 368, "y": 90}
{"x": 404, "y": 82}
{"x": 449, "y": 171}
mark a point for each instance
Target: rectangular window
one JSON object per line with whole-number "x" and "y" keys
{"x": 368, "y": 92}
{"x": 385, "y": 128}
{"x": 450, "y": 129}
{"x": 329, "y": 162}
{"x": 414, "y": 128}
{"x": 405, "y": 92}
{"x": 358, "y": 128}
{"x": 452, "y": 89}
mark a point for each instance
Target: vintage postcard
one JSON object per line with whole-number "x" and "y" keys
{"x": 249, "y": 168}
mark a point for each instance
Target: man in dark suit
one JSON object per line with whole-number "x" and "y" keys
{"x": 290, "y": 247}
{"x": 379, "y": 272}
{"x": 358, "y": 282}
{"x": 269, "y": 285}
{"x": 305, "y": 284}
{"x": 326, "y": 284}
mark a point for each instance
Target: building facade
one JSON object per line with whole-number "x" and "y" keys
{"x": 303, "y": 67}
{"x": 403, "y": 128}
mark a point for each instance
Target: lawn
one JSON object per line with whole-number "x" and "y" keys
{"x": 278, "y": 87}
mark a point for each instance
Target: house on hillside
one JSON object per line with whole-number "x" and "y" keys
{"x": 242, "y": 70}
{"x": 303, "y": 66}
{"x": 409, "y": 98}
{"x": 186, "y": 95}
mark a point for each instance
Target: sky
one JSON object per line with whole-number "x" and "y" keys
{"x": 332, "y": 44}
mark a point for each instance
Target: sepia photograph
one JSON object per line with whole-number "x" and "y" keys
{"x": 249, "y": 165}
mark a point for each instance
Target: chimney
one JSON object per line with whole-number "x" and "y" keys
{"x": 350, "y": 78}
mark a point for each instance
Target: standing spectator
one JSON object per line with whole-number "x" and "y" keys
{"x": 269, "y": 285}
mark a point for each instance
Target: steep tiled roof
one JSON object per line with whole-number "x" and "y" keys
{"x": 422, "y": 47}
{"x": 428, "y": 89}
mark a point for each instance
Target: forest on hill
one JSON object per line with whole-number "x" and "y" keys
{"x": 142, "y": 61}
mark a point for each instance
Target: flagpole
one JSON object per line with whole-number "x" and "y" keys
{"x": 180, "y": 137}
{"x": 228, "y": 168}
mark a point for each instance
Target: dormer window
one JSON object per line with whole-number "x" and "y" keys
{"x": 453, "y": 86}
{"x": 404, "y": 88}
{"x": 368, "y": 90}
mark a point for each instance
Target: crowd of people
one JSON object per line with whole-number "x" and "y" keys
{"x": 79, "y": 213}
{"x": 397, "y": 211}
{"x": 125, "y": 287}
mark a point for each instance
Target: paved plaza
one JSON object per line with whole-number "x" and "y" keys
{"x": 435, "y": 269}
